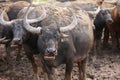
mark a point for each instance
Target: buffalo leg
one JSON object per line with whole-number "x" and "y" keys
{"x": 30, "y": 56}
{"x": 69, "y": 67}
{"x": 82, "y": 69}
{"x": 18, "y": 54}
{"x": 47, "y": 69}
{"x": 98, "y": 35}
{"x": 94, "y": 51}
{"x": 114, "y": 41}
{"x": 106, "y": 38}
{"x": 49, "y": 72}
{"x": 98, "y": 46}
{"x": 117, "y": 40}
{"x": 34, "y": 65}
{"x": 8, "y": 50}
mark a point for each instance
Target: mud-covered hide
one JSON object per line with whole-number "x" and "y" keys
{"x": 62, "y": 16}
{"x": 1, "y": 26}
{"x": 5, "y": 5}
{"x": 15, "y": 8}
{"x": 59, "y": 17}
{"x": 67, "y": 49}
{"x": 35, "y": 12}
{"x": 76, "y": 4}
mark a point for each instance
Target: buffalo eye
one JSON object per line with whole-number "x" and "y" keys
{"x": 56, "y": 35}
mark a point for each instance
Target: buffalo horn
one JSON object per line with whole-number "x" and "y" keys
{"x": 71, "y": 26}
{"x": 29, "y": 27}
{"x": 39, "y": 18}
{"x": 95, "y": 12}
{"x": 2, "y": 21}
{"x": 109, "y": 8}
{"x": 1, "y": 39}
{"x": 5, "y": 41}
{"x": 111, "y": 2}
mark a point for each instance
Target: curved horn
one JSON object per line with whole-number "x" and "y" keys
{"x": 29, "y": 27}
{"x": 95, "y": 12}
{"x": 109, "y": 8}
{"x": 2, "y": 21}
{"x": 111, "y": 2}
{"x": 1, "y": 39}
{"x": 5, "y": 41}
{"x": 39, "y": 18}
{"x": 71, "y": 26}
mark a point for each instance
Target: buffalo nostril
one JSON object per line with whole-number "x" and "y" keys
{"x": 109, "y": 21}
{"x": 51, "y": 50}
{"x": 16, "y": 41}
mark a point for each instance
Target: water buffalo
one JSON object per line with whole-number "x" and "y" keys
{"x": 6, "y": 32}
{"x": 57, "y": 44}
{"x": 15, "y": 8}
{"x": 100, "y": 15}
{"x": 22, "y": 37}
{"x": 114, "y": 27}
{"x": 5, "y": 36}
{"x": 102, "y": 19}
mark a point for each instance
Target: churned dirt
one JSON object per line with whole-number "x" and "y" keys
{"x": 106, "y": 66}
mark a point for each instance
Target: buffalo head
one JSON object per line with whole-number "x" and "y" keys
{"x": 50, "y": 36}
{"x": 19, "y": 32}
{"x": 106, "y": 16}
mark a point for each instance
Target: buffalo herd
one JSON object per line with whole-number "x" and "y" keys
{"x": 59, "y": 34}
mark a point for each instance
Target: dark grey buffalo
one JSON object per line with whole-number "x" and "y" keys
{"x": 101, "y": 21}
{"x": 21, "y": 37}
{"x": 5, "y": 36}
{"x": 64, "y": 37}
{"x": 12, "y": 10}
{"x": 1, "y": 26}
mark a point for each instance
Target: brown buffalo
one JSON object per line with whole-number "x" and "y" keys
{"x": 114, "y": 28}
{"x": 15, "y": 8}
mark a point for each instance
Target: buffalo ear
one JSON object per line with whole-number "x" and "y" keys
{"x": 64, "y": 35}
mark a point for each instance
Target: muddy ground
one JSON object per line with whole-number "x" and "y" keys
{"x": 106, "y": 66}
